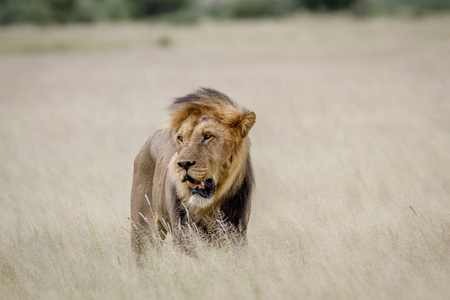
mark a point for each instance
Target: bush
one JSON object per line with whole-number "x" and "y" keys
{"x": 327, "y": 4}
{"x": 274, "y": 8}
{"x": 24, "y": 11}
{"x": 399, "y": 7}
{"x": 164, "y": 41}
{"x": 189, "y": 11}
{"x": 181, "y": 17}
{"x": 148, "y": 8}
{"x": 62, "y": 11}
{"x": 252, "y": 8}
{"x": 259, "y": 8}
{"x": 112, "y": 10}
{"x": 425, "y": 6}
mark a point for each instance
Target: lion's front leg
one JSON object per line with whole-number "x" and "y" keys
{"x": 142, "y": 214}
{"x": 182, "y": 230}
{"x": 184, "y": 240}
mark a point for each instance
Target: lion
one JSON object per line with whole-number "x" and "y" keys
{"x": 196, "y": 167}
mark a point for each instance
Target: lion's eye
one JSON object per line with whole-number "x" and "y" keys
{"x": 180, "y": 138}
{"x": 207, "y": 136}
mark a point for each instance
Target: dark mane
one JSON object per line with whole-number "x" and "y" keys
{"x": 203, "y": 94}
{"x": 235, "y": 206}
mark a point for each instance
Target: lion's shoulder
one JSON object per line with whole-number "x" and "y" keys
{"x": 160, "y": 141}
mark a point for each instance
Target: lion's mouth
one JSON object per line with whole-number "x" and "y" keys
{"x": 204, "y": 188}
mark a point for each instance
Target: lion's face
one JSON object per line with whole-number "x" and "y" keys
{"x": 204, "y": 147}
{"x": 210, "y": 135}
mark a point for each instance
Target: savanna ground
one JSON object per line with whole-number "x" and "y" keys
{"x": 351, "y": 151}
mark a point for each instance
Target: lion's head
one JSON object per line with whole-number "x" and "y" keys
{"x": 210, "y": 134}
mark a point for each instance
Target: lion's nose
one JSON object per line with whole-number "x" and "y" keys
{"x": 186, "y": 164}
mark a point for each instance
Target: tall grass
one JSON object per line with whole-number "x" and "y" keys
{"x": 350, "y": 150}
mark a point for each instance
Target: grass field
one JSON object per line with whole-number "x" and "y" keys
{"x": 351, "y": 151}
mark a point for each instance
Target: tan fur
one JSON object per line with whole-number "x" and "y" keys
{"x": 205, "y": 128}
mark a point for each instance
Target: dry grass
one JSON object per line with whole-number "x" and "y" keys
{"x": 351, "y": 154}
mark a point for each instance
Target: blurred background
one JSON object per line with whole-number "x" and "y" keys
{"x": 188, "y": 11}
{"x": 351, "y": 146}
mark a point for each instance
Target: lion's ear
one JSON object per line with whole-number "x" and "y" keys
{"x": 245, "y": 123}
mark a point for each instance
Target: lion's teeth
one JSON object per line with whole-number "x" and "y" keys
{"x": 198, "y": 185}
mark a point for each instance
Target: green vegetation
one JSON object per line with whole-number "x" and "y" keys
{"x": 61, "y": 11}
{"x": 65, "y": 11}
{"x": 164, "y": 41}
{"x": 252, "y": 8}
{"x": 189, "y": 11}
{"x": 148, "y": 8}
{"x": 399, "y": 7}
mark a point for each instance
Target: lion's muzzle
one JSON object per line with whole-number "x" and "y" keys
{"x": 204, "y": 188}
{"x": 185, "y": 164}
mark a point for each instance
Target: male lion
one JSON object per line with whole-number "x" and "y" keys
{"x": 187, "y": 173}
